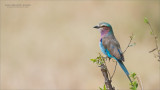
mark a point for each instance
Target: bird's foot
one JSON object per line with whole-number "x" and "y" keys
{"x": 109, "y": 59}
{"x": 105, "y": 58}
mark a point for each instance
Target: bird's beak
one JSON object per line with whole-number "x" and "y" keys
{"x": 96, "y": 27}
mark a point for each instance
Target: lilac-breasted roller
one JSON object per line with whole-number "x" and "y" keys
{"x": 110, "y": 46}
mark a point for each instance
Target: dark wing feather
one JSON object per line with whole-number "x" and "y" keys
{"x": 112, "y": 45}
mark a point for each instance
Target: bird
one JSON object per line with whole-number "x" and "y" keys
{"x": 110, "y": 46}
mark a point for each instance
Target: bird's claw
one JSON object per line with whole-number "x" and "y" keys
{"x": 109, "y": 59}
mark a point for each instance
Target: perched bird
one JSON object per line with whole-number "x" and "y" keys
{"x": 110, "y": 46}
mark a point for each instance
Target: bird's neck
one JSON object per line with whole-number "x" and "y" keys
{"x": 106, "y": 33}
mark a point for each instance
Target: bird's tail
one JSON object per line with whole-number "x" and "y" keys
{"x": 124, "y": 69}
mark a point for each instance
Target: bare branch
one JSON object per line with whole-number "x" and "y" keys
{"x": 139, "y": 81}
{"x": 156, "y": 41}
{"x": 153, "y": 50}
{"x": 131, "y": 38}
{"x": 155, "y": 37}
{"x": 114, "y": 71}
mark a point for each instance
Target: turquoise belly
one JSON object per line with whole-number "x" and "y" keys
{"x": 105, "y": 51}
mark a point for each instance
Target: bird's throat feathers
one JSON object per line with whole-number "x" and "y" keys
{"x": 106, "y": 33}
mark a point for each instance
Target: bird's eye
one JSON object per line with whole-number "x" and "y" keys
{"x": 103, "y": 26}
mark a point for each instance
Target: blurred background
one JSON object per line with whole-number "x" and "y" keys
{"x": 48, "y": 44}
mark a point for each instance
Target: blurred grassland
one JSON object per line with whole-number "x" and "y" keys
{"x": 49, "y": 44}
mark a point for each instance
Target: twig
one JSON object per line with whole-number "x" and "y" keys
{"x": 114, "y": 71}
{"x": 159, "y": 55}
{"x": 108, "y": 73}
{"x": 155, "y": 38}
{"x": 139, "y": 81}
{"x": 153, "y": 50}
{"x": 107, "y": 79}
{"x": 131, "y": 38}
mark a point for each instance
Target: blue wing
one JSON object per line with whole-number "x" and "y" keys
{"x": 111, "y": 48}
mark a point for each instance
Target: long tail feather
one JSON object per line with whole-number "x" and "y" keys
{"x": 124, "y": 69}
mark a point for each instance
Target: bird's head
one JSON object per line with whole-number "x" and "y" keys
{"x": 103, "y": 27}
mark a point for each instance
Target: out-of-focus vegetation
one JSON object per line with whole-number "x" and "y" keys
{"x": 134, "y": 84}
{"x": 104, "y": 88}
{"x": 152, "y": 32}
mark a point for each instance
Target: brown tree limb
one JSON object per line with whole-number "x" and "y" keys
{"x": 108, "y": 81}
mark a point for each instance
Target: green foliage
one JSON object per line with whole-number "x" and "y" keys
{"x": 133, "y": 44}
{"x": 93, "y": 60}
{"x": 134, "y": 84}
{"x": 104, "y": 88}
{"x": 151, "y": 32}
{"x": 133, "y": 75}
{"x": 146, "y": 20}
{"x": 99, "y": 60}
